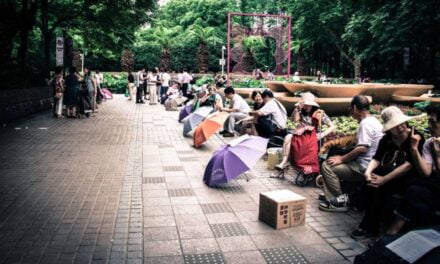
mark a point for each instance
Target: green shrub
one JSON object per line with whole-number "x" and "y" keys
{"x": 116, "y": 83}
{"x": 248, "y": 83}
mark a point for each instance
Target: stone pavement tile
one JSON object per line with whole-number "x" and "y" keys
{"x": 194, "y": 232}
{"x": 191, "y": 220}
{"x": 277, "y": 240}
{"x": 185, "y": 200}
{"x": 247, "y": 216}
{"x": 243, "y": 206}
{"x": 258, "y": 228}
{"x": 187, "y": 209}
{"x": 303, "y": 235}
{"x": 238, "y": 243}
{"x": 156, "y": 186}
{"x": 320, "y": 253}
{"x": 156, "y": 201}
{"x": 156, "y": 193}
{"x": 199, "y": 246}
{"x": 222, "y": 218}
{"x": 160, "y": 233}
{"x": 164, "y": 260}
{"x": 158, "y": 221}
{"x": 162, "y": 248}
{"x": 244, "y": 257}
{"x": 158, "y": 210}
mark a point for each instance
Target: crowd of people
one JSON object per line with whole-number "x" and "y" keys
{"x": 79, "y": 94}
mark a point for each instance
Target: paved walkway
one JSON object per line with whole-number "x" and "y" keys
{"x": 126, "y": 187}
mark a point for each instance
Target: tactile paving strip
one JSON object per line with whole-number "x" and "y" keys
{"x": 214, "y": 258}
{"x": 154, "y": 179}
{"x": 231, "y": 189}
{"x": 172, "y": 168}
{"x": 181, "y": 192}
{"x": 164, "y": 145}
{"x": 184, "y": 152}
{"x": 228, "y": 230}
{"x": 215, "y": 208}
{"x": 283, "y": 255}
{"x": 188, "y": 159}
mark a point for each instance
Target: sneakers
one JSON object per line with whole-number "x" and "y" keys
{"x": 340, "y": 201}
{"x": 360, "y": 234}
{"x": 321, "y": 197}
{"x": 328, "y": 207}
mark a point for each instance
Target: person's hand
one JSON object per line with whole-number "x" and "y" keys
{"x": 334, "y": 160}
{"x": 368, "y": 177}
{"x": 414, "y": 140}
{"x": 376, "y": 181}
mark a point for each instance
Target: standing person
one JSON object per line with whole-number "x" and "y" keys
{"x": 166, "y": 78}
{"x": 185, "y": 79}
{"x": 351, "y": 166}
{"x": 94, "y": 94}
{"x": 58, "y": 84}
{"x": 390, "y": 171}
{"x": 87, "y": 93}
{"x": 71, "y": 93}
{"x": 152, "y": 86}
{"x": 271, "y": 118}
{"x": 140, "y": 87}
{"x": 158, "y": 74}
{"x": 145, "y": 87}
{"x": 238, "y": 109}
{"x": 99, "y": 77}
{"x": 130, "y": 85}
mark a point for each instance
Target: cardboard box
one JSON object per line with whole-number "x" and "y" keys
{"x": 282, "y": 209}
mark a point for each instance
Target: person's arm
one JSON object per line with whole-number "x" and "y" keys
{"x": 424, "y": 168}
{"x": 352, "y": 155}
{"x": 331, "y": 127}
{"x": 295, "y": 114}
{"x": 370, "y": 168}
{"x": 377, "y": 181}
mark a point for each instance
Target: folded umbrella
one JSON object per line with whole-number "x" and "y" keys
{"x": 186, "y": 110}
{"x": 196, "y": 118}
{"x": 233, "y": 159}
{"x": 208, "y": 127}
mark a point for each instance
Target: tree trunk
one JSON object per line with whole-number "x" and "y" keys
{"x": 300, "y": 62}
{"x": 47, "y": 36}
{"x": 23, "y": 52}
{"x": 165, "y": 60}
{"x": 202, "y": 58}
{"x": 357, "y": 67}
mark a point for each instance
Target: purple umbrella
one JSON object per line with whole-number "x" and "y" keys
{"x": 186, "y": 110}
{"x": 233, "y": 159}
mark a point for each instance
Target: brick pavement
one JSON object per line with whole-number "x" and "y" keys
{"x": 126, "y": 187}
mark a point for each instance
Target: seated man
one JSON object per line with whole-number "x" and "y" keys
{"x": 271, "y": 118}
{"x": 422, "y": 198}
{"x": 351, "y": 166}
{"x": 238, "y": 109}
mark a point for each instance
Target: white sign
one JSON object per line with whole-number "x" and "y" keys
{"x": 59, "y": 51}
{"x": 222, "y": 62}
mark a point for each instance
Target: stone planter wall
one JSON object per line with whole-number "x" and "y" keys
{"x": 15, "y": 104}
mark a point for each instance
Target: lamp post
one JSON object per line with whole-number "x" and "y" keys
{"x": 223, "y": 59}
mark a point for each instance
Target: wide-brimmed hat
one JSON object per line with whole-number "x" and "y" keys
{"x": 308, "y": 99}
{"x": 392, "y": 116}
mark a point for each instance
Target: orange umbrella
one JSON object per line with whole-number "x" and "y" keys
{"x": 208, "y": 127}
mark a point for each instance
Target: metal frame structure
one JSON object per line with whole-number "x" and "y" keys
{"x": 231, "y": 14}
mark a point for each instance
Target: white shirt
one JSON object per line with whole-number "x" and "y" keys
{"x": 278, "y": 112}
{"x": 166, "y": 79}
{"x": 368, "y": 135}
{"x": 238, "y": 103}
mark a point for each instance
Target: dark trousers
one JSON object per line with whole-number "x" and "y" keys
{"x": 378, "y": 201}
{"x": 139, "y": 94}
{"x": 419, "y": 204}
{"x": 185, "y": 89}
{"x": 144, "y": 88}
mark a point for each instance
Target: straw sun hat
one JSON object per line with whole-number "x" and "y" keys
{"x": 308, "y": 99}
{"x": 392, "y": 116}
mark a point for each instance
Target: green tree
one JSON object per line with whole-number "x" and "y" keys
{"x": 203, "y": 35}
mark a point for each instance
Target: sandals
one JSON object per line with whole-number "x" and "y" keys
{"x": 277, "y": 174}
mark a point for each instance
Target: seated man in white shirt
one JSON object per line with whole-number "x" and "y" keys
{"x": 271, "y": 118}
{"x": 238, "y": 109}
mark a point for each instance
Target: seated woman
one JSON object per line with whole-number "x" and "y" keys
{"x": 390, "y": 170}
{"x": 302, "y": 115}
{"x": 172, "y": 98}
{"x": 247, "y": 125}
{"x": 212, "y": 98}
{"x": 422, "y": 198}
